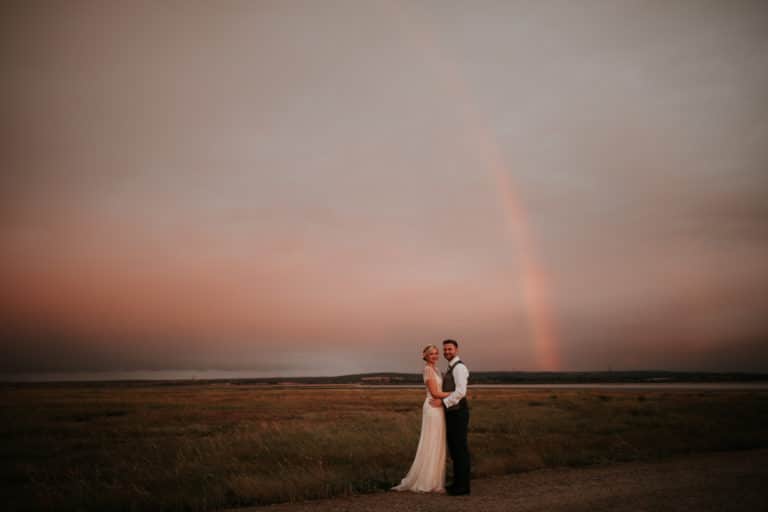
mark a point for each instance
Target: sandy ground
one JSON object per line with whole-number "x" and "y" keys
{"x": 733, "y": 481}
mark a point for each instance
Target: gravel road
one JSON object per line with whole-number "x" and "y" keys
{"x": 732, "y": 481}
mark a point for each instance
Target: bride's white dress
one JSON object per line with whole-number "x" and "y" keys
{"x": 427, "y": 473}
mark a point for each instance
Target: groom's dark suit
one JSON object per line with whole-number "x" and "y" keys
{"x": 457, "y": 423}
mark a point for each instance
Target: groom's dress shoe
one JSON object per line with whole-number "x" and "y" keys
{"x": 456, "y": 491}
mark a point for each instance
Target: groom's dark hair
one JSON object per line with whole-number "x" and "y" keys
{"x": 452, "y": 342}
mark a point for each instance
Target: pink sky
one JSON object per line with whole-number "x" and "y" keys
{"x": 324, "y": 189}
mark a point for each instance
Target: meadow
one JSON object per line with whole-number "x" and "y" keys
{"x": 201, "y": 447}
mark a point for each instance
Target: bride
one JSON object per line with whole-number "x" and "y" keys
{"x": 427, "y": 473}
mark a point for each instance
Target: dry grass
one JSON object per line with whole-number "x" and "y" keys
{"x": 203, "y": 447}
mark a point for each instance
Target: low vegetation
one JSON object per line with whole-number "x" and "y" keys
{"x": 211, "y": 446}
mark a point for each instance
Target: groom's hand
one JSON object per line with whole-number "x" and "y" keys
{"x": 436, "y": 402}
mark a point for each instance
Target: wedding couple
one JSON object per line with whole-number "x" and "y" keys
{"x": 445, "y": 417}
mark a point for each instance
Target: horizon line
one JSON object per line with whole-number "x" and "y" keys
{"x": 104, "y": 377}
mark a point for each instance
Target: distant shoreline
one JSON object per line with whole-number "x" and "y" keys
{"x": 625, "y": 379}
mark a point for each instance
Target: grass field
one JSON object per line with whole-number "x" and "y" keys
{"x": 203, "y": 447}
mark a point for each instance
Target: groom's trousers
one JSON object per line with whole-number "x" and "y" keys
{"x": 457, "y": 424}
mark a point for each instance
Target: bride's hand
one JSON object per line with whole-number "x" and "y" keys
{"x": 436, "y": 402}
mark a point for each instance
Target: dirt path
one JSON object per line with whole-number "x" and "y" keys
{"x": 734, "y": 481}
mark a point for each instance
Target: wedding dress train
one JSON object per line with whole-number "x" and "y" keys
{"x": 427, "y": 473}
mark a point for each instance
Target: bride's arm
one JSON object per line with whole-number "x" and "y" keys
{"x": 434, "y": 389}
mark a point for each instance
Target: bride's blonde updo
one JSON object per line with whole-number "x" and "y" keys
{"x": 427, "y": 350}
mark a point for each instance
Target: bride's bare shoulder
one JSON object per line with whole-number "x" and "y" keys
{"x": 429, "y": 372}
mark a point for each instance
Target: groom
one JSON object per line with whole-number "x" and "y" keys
{"x": 456, "y": 416}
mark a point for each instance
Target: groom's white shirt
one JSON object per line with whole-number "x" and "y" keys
{"x": 460, "y": 377}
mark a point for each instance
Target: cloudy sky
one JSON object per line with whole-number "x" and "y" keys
{"x": 287, "y": 188}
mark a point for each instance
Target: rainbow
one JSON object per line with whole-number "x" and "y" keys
{"x": 533, "y": 275}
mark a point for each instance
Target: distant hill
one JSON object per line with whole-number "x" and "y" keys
{"x": 500, "y": 377}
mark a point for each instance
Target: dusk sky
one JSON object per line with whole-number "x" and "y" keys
{"x": 322, "y": 188}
